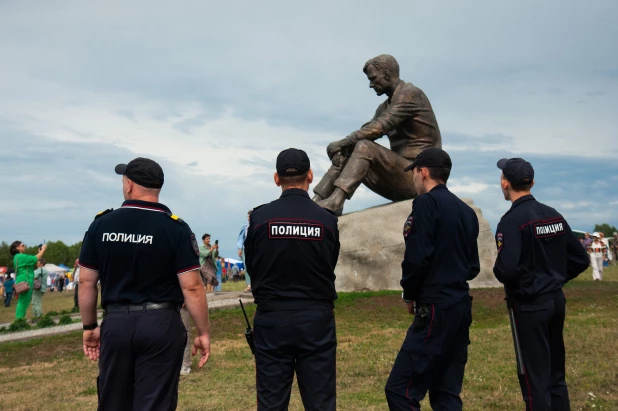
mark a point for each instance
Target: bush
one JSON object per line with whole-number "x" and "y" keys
{"x": 45, "y": 322}
{"x": 4, "y": 330}
{"x": 52, "y": 313}
{"x": 65, "y": 319}
{"x": 75, "y": 310}
{"x": 19, "y": 325}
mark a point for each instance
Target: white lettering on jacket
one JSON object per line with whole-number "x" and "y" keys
{"x": 127, "y": 238}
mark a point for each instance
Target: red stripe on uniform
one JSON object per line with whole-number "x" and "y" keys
{"x": 186, "y": 270}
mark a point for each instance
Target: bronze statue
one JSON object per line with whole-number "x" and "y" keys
{"x": 406, "y": 117}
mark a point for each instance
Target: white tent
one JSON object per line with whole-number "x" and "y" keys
{"x": 53, "y": 268}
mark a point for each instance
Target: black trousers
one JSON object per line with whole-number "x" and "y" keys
{"x": 295, "y": 340}
{"x": 141, "y": 355}
{"x": 75, "y": 294}
{"x": 432, "y": 358}
{"x": 539, "y": 327}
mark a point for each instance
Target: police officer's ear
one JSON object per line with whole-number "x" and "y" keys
{"x": 504, "y": 183}
{"x": 310, "y": 176}
{"x": 277, "y": 180}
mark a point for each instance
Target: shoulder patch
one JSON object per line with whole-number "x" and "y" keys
{"x": 196, "y": 248}
{"x": 102, "y": 213}
{"x": 407, "y": 226}
{"x": 499, "y": 241}
{"x": 175, "y": 218}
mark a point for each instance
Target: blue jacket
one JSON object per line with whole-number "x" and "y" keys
{"x": 441, "y": 250}
{"x": 537, "y": 251}
{"x": 8, "y": 285}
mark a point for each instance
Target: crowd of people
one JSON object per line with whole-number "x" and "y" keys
{"x": 29, "y": 281}
{"x": 603, "y": 251}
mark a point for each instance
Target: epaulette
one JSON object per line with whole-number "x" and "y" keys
{"x": 103, "y": 213}
{"x": 175, "y": 217}
{"x": 333, "y": 213}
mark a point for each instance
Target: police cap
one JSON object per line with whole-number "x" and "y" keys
{"x": 292, "y": 162}
{"x": 143, "y": 171}
{"x": 516, "y": 170}
{"x": 431, "y": 157}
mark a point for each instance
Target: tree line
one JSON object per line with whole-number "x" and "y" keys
{"x": 606, "y": 229}
{"x": 57, "y": 253}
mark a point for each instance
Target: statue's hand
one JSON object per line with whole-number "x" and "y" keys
{"x": 334, "y": 148}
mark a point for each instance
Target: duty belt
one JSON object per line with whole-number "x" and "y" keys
{"x": 126, "y": 308}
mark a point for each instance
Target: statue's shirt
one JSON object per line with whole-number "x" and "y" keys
{"x": 407, "y": 119}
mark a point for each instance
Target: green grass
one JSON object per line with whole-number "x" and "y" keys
{"x": 52, "y": 302}
{"x": 370, "y": 328}
{"x": 234, "y": 286}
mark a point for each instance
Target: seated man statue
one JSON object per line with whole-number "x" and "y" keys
{"x": 406, "y": 117}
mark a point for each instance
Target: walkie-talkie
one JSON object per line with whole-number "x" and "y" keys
{"x": 248, "y": 331}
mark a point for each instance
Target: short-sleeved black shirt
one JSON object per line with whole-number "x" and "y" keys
{"x": 291, "y": 251}
{"x": 139, "y": 251}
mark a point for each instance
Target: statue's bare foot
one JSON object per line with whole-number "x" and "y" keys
{"x": 335, "y": 202}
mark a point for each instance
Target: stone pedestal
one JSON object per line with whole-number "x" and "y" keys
{"x": 372, "y": 248}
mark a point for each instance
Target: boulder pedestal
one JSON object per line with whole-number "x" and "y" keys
{"x": 372, "y": 248}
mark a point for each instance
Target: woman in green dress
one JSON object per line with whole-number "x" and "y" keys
{"x": 24, "y": 272}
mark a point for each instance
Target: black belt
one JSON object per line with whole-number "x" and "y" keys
{"x": 126, "y": 308}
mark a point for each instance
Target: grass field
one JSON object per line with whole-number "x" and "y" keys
{"x": 64, "y": 302}
{"x": 370, "y": 328}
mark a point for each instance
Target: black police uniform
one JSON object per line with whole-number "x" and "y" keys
{"x": 537, "y": 255}
{"x": 441, "y": 256}
{"x": 139, "y": 251}
{"x": 291, "y": 251}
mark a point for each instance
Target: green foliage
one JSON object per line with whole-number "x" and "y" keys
{"x": 606, "y": 229}
{"x": 75, "y": 310}
{"x": 19, "y": 325}
{"x": 57, "y": 253}
{"x": 52, "y": 313}
{"x": 65, "y": 319}
{"x": 4, "y": 330}
{"x": 45, "y": 322}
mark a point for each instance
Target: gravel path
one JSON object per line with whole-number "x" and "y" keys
{"x": 217, "y": 302}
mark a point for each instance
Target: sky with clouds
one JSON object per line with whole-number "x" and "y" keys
{"x": 214, "y": 90}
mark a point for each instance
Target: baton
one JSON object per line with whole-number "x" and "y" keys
{"x": 521, "y": 368}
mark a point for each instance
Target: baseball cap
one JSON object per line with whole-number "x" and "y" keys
{"x": 595, "y": 234}
{"x": 292, "y": 162}
{"x": 516, "y": 170}
{"x": 431, "y": 157}
{"x": 143, "y": 171}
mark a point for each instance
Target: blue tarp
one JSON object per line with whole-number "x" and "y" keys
{"x": 64, "y": 267}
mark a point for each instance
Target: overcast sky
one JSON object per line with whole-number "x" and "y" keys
{"x": 214, "y": 90}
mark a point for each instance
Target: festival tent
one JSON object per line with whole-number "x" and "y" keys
{"x": 238, "y": 263}
{"x": 64, "y": 267}
{"x": 53, "y": 268}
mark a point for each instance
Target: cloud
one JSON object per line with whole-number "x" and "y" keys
{"x": 214, "y": 91}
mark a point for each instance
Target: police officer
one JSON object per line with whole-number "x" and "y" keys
{"x": 291, "y": 250}
{"x": 537, "y": 255}
{"x": 441, "y": 256}
{"x": 147, "y": 261}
